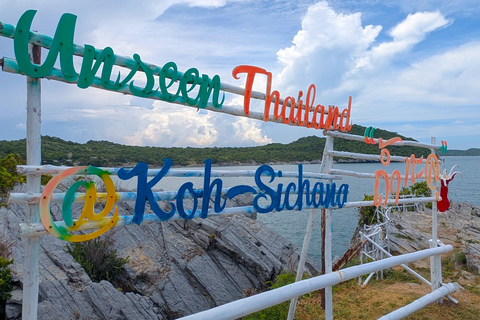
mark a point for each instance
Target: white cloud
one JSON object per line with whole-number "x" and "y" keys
{"x": 405, "y": 35}
{"x": 440, "y": 87}
{"x": 179, "y": 126}
{"x": 174, "y": 125}
{"x": 324, "y": 50}
{"x": 415, "y": 27}
{"x": 335, "y": 52}
{"x": 21, "y": 126}
{"x": 247, "y": 130}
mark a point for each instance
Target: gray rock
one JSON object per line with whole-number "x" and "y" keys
{"x": 174, "y": 269}
{"x": 13, "y": 309}
{"x": 459, "y": 225}
{"x": 472, "y": 253}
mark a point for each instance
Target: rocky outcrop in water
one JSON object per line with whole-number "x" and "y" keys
{"x": 174, "y": 269}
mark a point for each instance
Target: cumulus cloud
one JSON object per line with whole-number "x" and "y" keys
{"x": 173, "y": 125}
{"x": 405, "y": 35}
{"x": 325, "y": 49}
{"x": 248, "y": 130}
{"x": 179, "y": 126}
{"x": 336, "y": 52}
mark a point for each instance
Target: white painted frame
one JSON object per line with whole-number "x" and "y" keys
{"x": 30, "y": 291}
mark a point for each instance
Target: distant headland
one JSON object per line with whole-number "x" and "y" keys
{"x": 57, "y": 151}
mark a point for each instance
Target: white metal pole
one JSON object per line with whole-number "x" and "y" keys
{"x": 328, "y": 263}
{"x": 420, "y": 302}
{"x": 327, "y": 164}
{"x": 435, "y": 262}
{"x": 32, "y": 244}
{"x": 303, "y": 258}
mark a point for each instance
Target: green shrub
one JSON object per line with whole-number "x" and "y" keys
{"x": 367, "y": 214}
{"x": 9, "y": 176}
{"x": 6, "y": 285}
{"x": 98, "y": 259}
{"x": 6, "y": 279}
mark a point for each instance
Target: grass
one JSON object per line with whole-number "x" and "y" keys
{"x": 398, "y": 289}
{"x": 379, "y": 298}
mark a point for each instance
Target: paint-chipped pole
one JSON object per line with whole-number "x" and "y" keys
{"x": 326, "y": 165}
{"x": 34, "y": 157}
{"x": 435, "y": 261}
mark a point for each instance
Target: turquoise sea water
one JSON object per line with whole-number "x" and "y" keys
{"x": 292, "y": 224}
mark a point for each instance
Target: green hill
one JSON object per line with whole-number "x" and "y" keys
{"x": 469, "y": 152}
{"x": 104, "y": 153}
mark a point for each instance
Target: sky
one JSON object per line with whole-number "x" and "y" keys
{"x": 411, "y": 67}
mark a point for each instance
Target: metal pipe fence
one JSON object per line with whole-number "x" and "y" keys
{"x": 246, "y": 306}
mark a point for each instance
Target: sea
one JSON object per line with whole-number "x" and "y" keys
{"x": 465, "y": 187}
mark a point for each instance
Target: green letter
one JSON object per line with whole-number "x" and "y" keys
{"x": 87, "y": 73}
{"x": 190, "y": 76}
{"x": 62, "y": 42}
{"x": 147, "y": 91}
{"x": 166, "y": 73}
{"x": 205, "y": 90}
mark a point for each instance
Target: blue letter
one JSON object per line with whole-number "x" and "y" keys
{"x": 342, "y": 190}
{"x": 181, "y": 193}
{"x": 262, "y": 186}
{"x": 207, "y": 191}
{"x": 144, "y": 190}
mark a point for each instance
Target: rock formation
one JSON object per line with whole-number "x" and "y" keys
{"x": 174, "y": 269}
{"x": 459, "y": 225}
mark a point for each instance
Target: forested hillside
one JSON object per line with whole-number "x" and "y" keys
{"x": 103, "y": 153}
{"x": 469, "y": 152}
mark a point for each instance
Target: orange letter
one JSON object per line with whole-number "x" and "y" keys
{"x": 396, "y": 174}
{"x": 320, "y": 124}
{"x": 332, "y": 118}
{"x": 284, "y": 109}
{"x": 275, "y": 94}
{"x": 308, "y": 105}
{"x": 251, "y": 72}
{"x": 346, "y": 113}
{"x": 377, "y": 198}
{"x": 298, "y": 116}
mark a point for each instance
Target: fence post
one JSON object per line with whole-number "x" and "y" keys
{"x": 435, "y": 261}
{"x": 34, "y": 157}
{"x": 303, "y": 258}
{"x": 327, "y": 164}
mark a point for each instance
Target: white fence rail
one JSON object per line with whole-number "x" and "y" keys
{"x": 243, "y": 307}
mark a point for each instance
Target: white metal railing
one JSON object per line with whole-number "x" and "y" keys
{"x": 418, "y": 304}
{"x": 353, "y": 137}
{"x": 243, "y": 307}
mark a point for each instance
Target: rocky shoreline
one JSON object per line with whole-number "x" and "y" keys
{"x": 459, "y": 226}
{"x": 182, "y": 267}
{"x": 175, "y": 268}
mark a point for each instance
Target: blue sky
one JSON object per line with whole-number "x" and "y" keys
{"x": 412, "y": 67}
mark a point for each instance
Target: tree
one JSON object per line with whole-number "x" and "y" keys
{"x": 9, "y": 176}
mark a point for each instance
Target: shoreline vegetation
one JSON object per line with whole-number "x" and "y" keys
{"x": 56, "y": 151}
